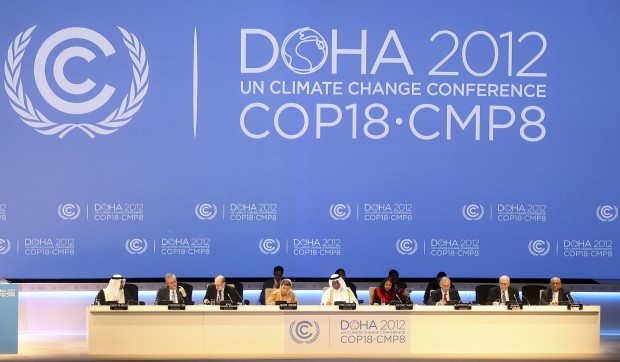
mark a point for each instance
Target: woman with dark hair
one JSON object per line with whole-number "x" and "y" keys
{"x": 385, "y": 293}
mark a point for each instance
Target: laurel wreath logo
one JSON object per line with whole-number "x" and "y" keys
{"x": 406, "y": 246}
{"x": 34, "y": 118}
{"x": 299, "y": 335}
{"x": 269, "y": 246}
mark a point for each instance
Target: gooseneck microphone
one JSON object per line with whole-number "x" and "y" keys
{"x": 527, "y": 300}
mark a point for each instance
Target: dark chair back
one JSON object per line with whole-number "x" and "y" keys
{"x": 238, "y": 287}
{"x": 532, "y": 293}
{"x": 131, "y": 292}
{"x": 482, "y": 292}
{"x": 189, "y": 289}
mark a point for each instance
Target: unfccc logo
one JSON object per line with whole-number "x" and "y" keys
{"x": 136, "y": 246}
{"x": 607, "y": 212}
{"x": 406, "y": 246}
{"x": 206, "y": 211}
{"x": 473, "y": 212}
{"x": 539, "y": 247}
{"x": 69, "y": 211}
{"x": 340, "y": 211}
{"x": 61, "y": 60}
{"x": 5, "y": 246}
{"x": 304, "y": 331}
{"x": 269, "y": 246}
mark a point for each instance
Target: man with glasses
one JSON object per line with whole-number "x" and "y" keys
{"x": 504, "y": 293}
{"x": 171, "y": 293}
{"x": 555, "y": 294}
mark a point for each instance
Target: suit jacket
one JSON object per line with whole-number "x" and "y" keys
{"x": 495, "y": 295}
{"x": 437, "y": 295}
{"x": 229, "y": 293}
{"x": 547, "y": 296}
{"x": 163, "y": 295}
{"x": 270, "y": 283}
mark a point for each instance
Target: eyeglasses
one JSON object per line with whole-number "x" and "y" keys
{"x": 554, "y": 283}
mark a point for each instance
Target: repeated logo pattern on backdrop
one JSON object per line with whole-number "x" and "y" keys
{"x": 402, "y": 139}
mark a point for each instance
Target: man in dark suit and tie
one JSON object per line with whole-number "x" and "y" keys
{"x": 504, "y": 293}
{"x": 171, "y": 293}
{"x": 555, "y": 294}
{"x": 278, "y": 273}
{"x": 444, "y": 294}
{"x": 219, "y": 291}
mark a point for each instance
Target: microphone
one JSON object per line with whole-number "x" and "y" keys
{"x": 516, "y": 299}
{"x": 238, "y": 295}
{"x": 180, "y": 298}
{"x": 570, "y": 299}
{"x": 524, "y": 298}
{"x": 396, "y": 294}
{"x": 231, "y": 300}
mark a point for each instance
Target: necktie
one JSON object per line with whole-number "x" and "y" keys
{"x": 445, "y": 297}
{"x": 503, "y": 297}
{"x": 219, "y": 296}
{"x": 173, "y": 296}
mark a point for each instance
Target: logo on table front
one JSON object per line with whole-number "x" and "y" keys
{"x": 473, "y": 212}
{"x": 77, "y": 98}
{"x": 539, "y": 247}
{"x": 304, "y": 331}
{"x": 69, "y": 211}
{"x": 5, "y": 246}
{"x": 206, "y": 211}
{"x": 406, "y": 246}
{"x": 269, "y": 246}
{"x": 607, "y": 212}
{"x": 136, "y": 246}
{"x": 340, "y": 211}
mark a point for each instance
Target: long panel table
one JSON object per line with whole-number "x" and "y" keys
{"x": 326, "y": 331}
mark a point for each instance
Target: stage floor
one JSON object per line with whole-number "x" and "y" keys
{"x": 73, "y": 348}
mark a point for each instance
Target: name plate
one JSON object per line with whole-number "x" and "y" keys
{"x": 514, "y": 306}
{"x": 574, "y": 306}
{"x": 404, "y": 306}
{"x": 176, "y": 306}
{"x": 228, "y": 306}
{"x": 462, "y": 306}
{"x": 347, "y": 306}
{"x": 288, "y": 306}
{"x": 119, "y": 306}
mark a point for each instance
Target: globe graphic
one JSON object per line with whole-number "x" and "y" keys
{"x": 304, "y": 51}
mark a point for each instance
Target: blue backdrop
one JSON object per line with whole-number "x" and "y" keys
{"x": 208, "y": 137}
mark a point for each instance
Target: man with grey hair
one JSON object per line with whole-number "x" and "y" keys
{"x": 555, "y": 294}
{"x": 504, "y": 293}
{"x": 444, "y": 295}
{"x": 172, "y": 293}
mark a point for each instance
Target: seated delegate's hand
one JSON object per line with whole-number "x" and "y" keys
{"x": 182, "y": 291}
{"x": 206, "y": 301}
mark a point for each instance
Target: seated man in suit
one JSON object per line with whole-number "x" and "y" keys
{"x": 278, "y": 273}
{"x": 219, "y": 292}
{"x": 114, "y": 291}
{"x": 504, "y": 293}
{"x": 172, "y": 293}
{"x": 444, "y": 294}
{"x": 555, "y": 294}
